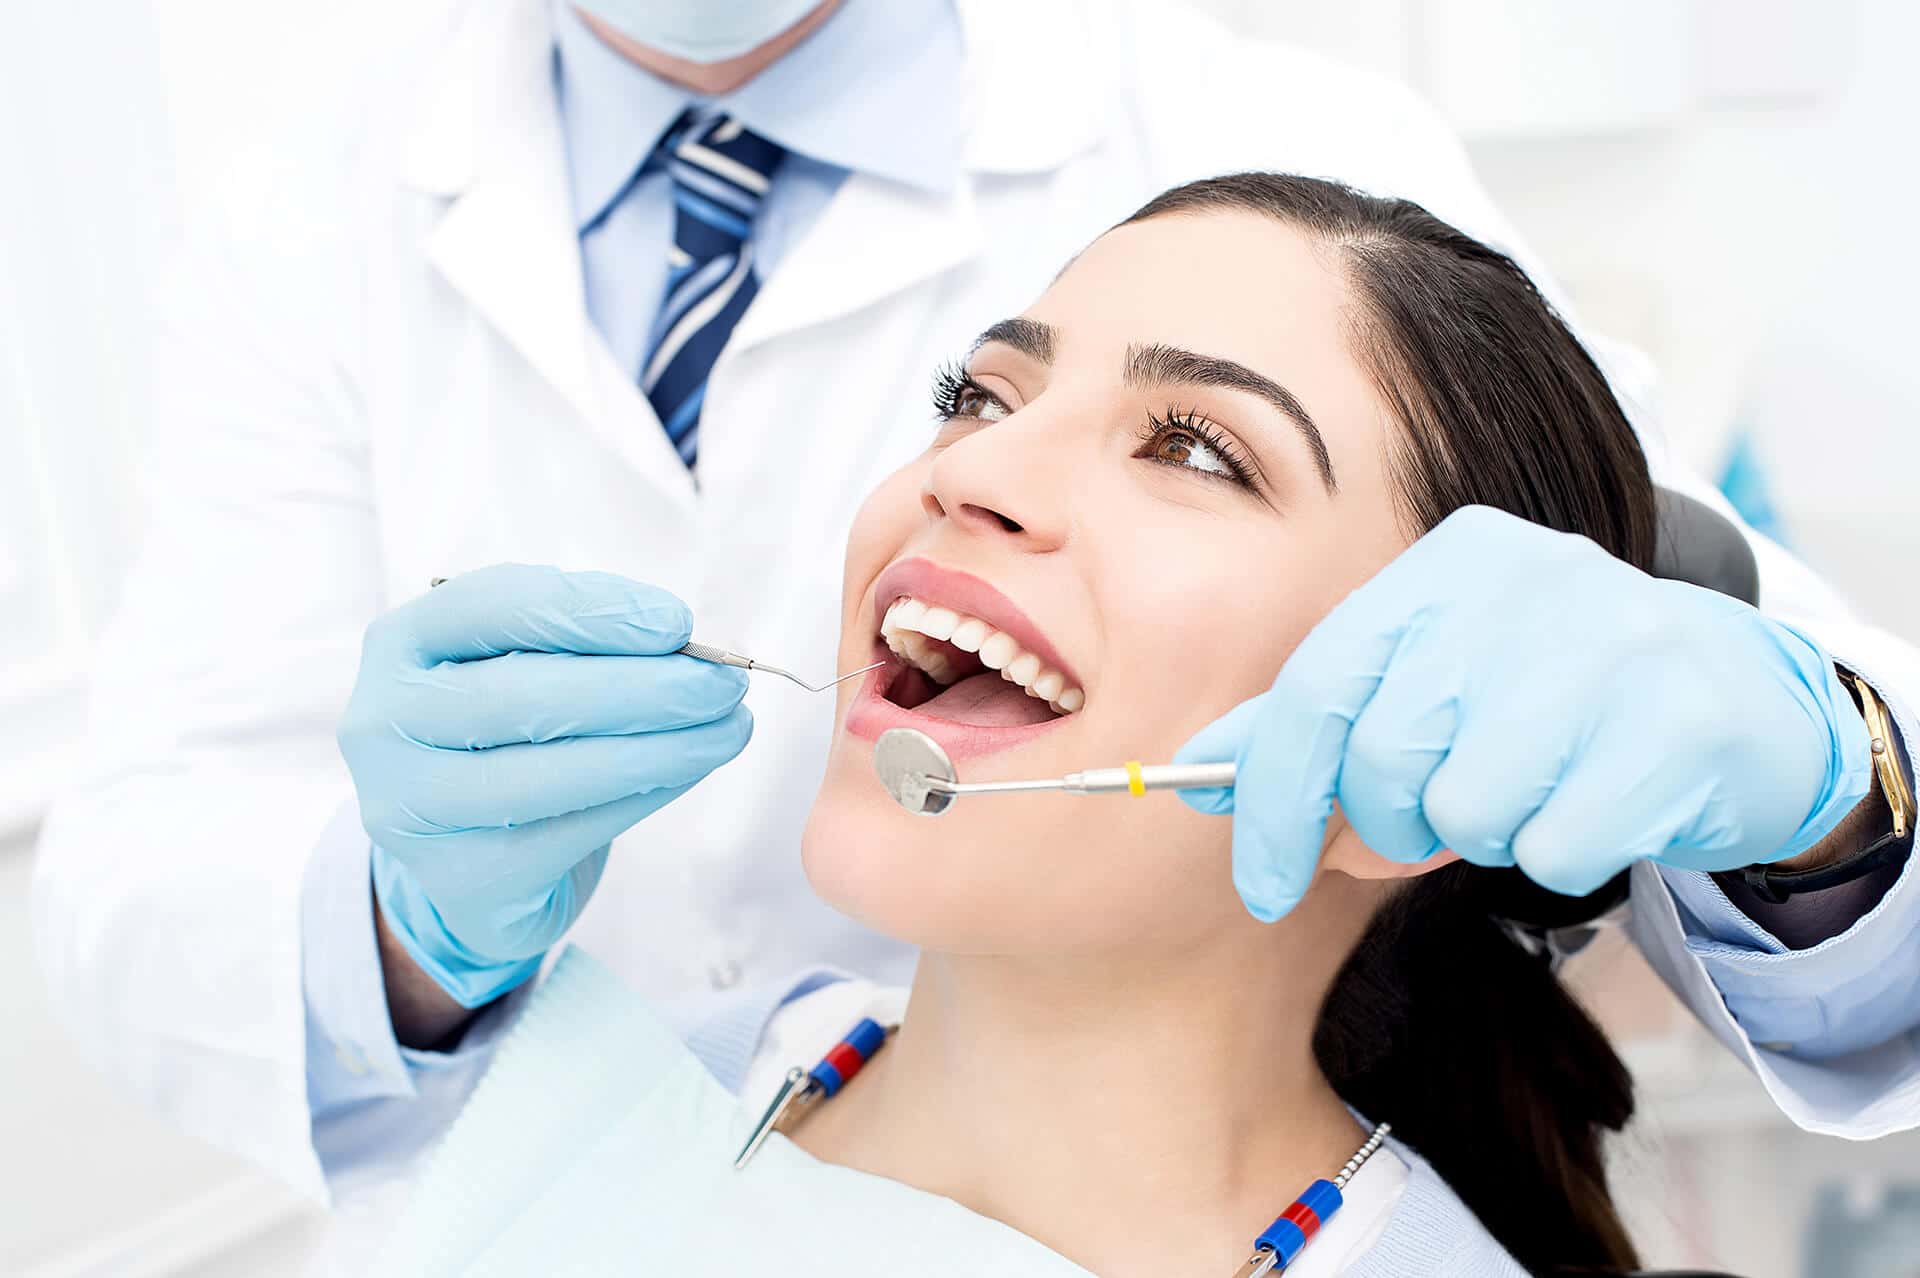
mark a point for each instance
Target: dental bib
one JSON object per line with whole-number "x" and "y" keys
{"x": 599, "y": 1143}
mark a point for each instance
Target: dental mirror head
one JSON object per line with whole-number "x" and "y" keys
{"x": 906, "y": 760}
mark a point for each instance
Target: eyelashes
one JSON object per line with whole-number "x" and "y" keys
{"x": 955, "y": 393}
{"x": 957, "y": 396}
{"x": 949, "y": 380}
{"x": 1160, "y": 432}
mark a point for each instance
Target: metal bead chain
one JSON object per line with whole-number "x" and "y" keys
{"x": 1361, "y": 1155}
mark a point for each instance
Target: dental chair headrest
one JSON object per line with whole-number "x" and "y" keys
{"x": 1699, "y": 545}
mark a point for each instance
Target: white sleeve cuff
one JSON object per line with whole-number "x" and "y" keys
{"x": 375, "y": 1105}
{"x": 351, "y": 1051}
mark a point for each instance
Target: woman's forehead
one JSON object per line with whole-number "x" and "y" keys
{"x": 1242, "y": 285}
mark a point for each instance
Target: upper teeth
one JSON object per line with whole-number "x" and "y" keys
{"x": 910, "y": 623}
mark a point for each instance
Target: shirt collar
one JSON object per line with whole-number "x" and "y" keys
{"x": 906, "y": 56}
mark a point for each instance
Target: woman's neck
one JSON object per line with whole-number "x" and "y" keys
{"x": 1178, "y": 1095}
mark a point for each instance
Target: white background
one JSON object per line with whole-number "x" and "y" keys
{"x": 1728, "y": 183}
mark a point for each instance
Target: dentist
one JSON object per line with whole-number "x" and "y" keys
{"x": 651, "y": 290}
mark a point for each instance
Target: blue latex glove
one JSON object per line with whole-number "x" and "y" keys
{"x": 504, "y": 729}
{"x": 1523, "y": 698}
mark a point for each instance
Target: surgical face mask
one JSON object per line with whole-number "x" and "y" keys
{"x": 700, "y": 30}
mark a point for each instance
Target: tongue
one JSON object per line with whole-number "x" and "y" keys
{"x": 988, "y": 700}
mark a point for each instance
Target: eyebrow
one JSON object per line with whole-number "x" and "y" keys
{"x": 1029, "y": 337}
{"x": 1161, "y": 365}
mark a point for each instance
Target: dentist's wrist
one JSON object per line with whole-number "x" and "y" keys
{"x": 1847, "y": 788}
{"x": 424, "y": 1017}
{"x": 1866, "y": 834}
{"x": 415, "y": 927}
{"x": 1881, "y": 808}
{"x": 1856, "y": 829}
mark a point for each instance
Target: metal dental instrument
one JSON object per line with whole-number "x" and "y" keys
{"x": 721, "y": 657}
{"x": 920, "y": 776}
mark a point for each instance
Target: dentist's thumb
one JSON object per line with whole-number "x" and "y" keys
{"x": 1287, "y": 765}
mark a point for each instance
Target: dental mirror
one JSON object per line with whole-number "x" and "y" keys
{"x": 920, "y": 776}
{"x": 906, "y": 761}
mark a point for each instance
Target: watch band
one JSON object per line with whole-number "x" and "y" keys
{"x": 1775, "y": 886}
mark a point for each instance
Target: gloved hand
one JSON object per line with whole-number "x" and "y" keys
{"x": 1523, "y": 698}
{"x": 503, "y": 729}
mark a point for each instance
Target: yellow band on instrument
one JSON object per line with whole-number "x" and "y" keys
{"x": 1136, "y": 784}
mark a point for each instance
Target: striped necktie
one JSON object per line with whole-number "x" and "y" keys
{"x": 720, "y": 174}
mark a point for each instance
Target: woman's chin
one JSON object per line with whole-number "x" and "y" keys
{"x": 861, "y": 856}
{"x": 922, "y": 880}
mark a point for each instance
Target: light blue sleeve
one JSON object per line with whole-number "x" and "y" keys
{"x": 1859, "y": 989}
{"x": 374, "y": 1104}
{"x": 1856, "y": 990}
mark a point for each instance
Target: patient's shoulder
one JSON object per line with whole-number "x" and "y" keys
{"x": 1432, "y": 1233}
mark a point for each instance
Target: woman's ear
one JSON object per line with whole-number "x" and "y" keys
{"x": 1345, "y": 853}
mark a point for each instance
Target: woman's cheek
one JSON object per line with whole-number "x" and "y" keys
{"x": 1253, "y": 617}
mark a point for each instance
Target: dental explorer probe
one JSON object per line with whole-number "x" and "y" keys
{"x": 721, "y": 657}
{"x": 920, "y": 776}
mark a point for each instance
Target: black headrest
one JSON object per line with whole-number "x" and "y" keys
{"x": 1698, "y": 544}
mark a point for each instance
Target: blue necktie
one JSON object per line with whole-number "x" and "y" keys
{"x": 720, "y": 174}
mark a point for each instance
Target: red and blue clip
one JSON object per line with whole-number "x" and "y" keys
{"x": 1295, "y": 1227}
{"x": 805, "y": 1088}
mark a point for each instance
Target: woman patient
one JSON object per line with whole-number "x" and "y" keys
{"x": 1224, "y": 415}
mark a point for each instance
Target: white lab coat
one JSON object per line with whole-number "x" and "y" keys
{"x": 384, "y": 372}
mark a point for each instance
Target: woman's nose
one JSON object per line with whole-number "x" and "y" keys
{"x": 987, "y": 488}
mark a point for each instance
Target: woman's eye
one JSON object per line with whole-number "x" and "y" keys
{"x": 956, "y": 395}
{"x": 1183, "y": 448}
{"x": 975, "y": 402}
{"x": 1190, "y": 442}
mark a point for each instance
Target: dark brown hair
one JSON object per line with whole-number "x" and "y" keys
{"x": 1441, "y": 1021}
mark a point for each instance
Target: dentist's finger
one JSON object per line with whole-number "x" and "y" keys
{"x": 523, "y": 608}
{"x": 516, "y": 785}
{"x": 1290, "y": 772}
{"x": 539, "y": 696}
{"x": 528, "y": 859}
{"x": 1502, "y": 769}
{"x": 1222, "y": 741}
{"x": 1617, "y": 802}
{"x": 1399, "y": 739}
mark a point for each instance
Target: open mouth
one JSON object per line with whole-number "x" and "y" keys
{"x": 963, "y": 664}
{"x": 966, "y": 669}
